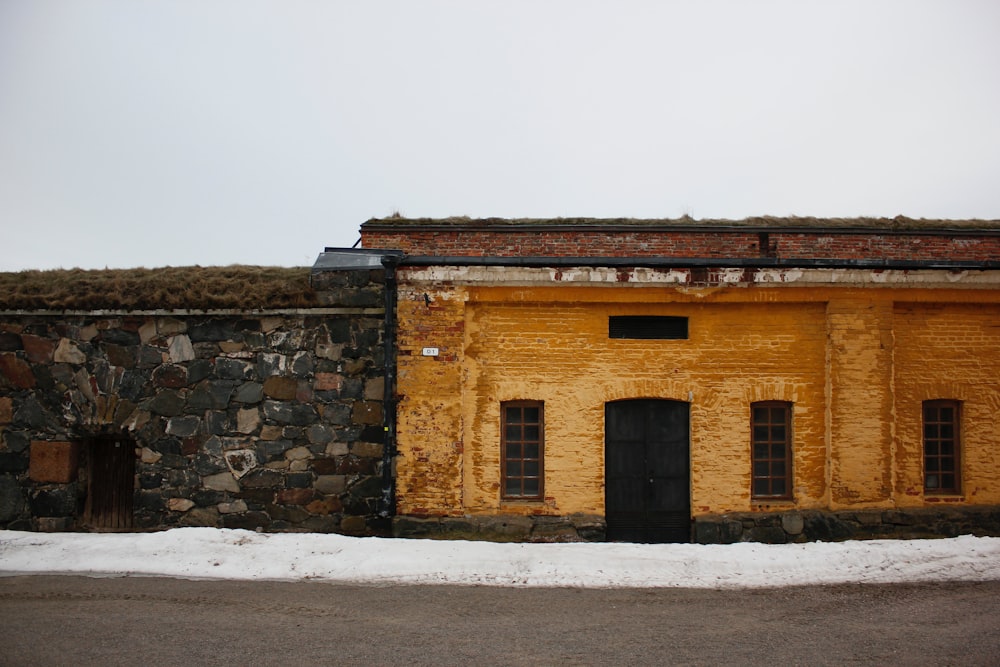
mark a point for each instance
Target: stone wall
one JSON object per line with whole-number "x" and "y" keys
{"x": 270, "y": 420}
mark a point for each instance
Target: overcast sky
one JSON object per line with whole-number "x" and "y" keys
{"x": 175, "y": 132}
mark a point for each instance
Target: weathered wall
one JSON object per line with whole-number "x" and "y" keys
{"x": 855, "y": 360}
{"x": 678, "y": 240}
{"x": 267, "y": 421}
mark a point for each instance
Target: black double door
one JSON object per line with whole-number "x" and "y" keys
{"x": 647, "y": 471}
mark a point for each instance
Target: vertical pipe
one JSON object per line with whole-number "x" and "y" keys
{"x": 388, "y": 501}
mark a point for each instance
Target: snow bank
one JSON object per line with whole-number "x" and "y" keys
{"x": 209, "y": 553}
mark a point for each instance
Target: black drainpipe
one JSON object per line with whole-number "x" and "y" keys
{"x": 388, "y": 501}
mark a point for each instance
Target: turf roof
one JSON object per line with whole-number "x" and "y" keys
{"x": 176, "y": 288}
{"x": 900, "y": 223}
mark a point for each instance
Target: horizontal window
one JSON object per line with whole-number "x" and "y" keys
{"x": 648, "y": 327}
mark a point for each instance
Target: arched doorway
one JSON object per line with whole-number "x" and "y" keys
{"x": 647, "y": 467}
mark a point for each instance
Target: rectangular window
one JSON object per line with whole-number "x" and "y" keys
{"x": 648, "y": 327}
{"x": 941, "y": 447}
{"x": 522, "y": 445}
{"x": 771, "y": 444}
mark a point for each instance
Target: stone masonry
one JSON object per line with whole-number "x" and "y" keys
{"x": 264, "y": 420}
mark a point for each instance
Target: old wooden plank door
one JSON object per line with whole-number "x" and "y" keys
{"x": 647, "y": 471}
{"x": 112, "y": 484}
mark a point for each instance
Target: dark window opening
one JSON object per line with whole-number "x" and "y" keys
{"x": 771, "y": 445}
{"x": 941, "y": 447}
{"x": 522, "y": 448}
{"x": 648, "y": 327}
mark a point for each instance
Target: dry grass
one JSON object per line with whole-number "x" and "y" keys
{"x": 763, "y": 222}
{"x": 176, "y": 288}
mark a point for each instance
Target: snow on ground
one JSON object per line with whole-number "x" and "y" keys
{"x": 209, "y": 553}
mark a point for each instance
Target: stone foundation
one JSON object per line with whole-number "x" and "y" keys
{"x": 769, "y": 528}
{"x": 507, "y": 528}
{"x": 815, "y": 526}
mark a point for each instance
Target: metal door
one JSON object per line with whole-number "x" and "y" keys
{"x": 112, "y": 484}
{"x": 647, "y": 471}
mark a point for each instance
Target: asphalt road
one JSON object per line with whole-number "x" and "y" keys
{"x": 152, "y": 621}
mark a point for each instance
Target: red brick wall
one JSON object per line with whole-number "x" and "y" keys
{"x": 826, "y": 244}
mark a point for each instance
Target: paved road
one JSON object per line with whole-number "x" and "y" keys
{"x": 153, "y": 621}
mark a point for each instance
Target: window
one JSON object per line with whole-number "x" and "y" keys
{"x": 771, "y": 426}
{"x": 648, "y": 327}
{"x": 941, "y": 447}
{"x": 522, "y": 445}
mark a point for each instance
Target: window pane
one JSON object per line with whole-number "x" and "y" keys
{"x": 778, "y": 432}
{"x": 931, "y": 431}
{"x": 931, "y": 481}
{"x": 760, "y": 487}
{"x": 513, "y": 469}
{"x": 530, "y": 468}
{"x": 531, "y": 450}
{"x": 531, "y": 415}
{"x": 760, "y": 434}
{"x": 778, "y": 487}
{"x": 761, "y": 451}
{"x": 513, "y": 415}
{"x": 513, "y": 432}
{"x": 761, "y": 469}
{"x": 946, "y": 415}
{"x": 513, "y": 487}
{"x": 513, "y": 451}
{"x": 760, "y": 415}
{"x": 778, "y": 450}
{"x": 531, "y": 433}
{"x": 531, "y": 486}
{"x": 931, "y": 448}
{"x": 777, "y": 468}
{"x": 947, "y": 431}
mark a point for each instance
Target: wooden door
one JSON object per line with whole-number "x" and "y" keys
{"x": 647, "y": 471}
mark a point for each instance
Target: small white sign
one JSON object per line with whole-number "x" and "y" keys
{"x": 430, "y": 352}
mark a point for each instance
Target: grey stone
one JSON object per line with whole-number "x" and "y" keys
{"x": 792, "y": 523}
{"x": 16, "y": 441}
{"x": 183, "y": 427}
{"x": 296, "y": 414}
{"x": 199, "y": 369}
{"x": 202, "y": 517}
{"x": 60, "y": 501}
{"x": 120, "y": 336}
{"x": 211, "y": 331}
{"x": 303, "y": 364}
{"x": 232, "y": 369}
{"x": 766, "y": 534}
{"x": 167, "y": 403}
{"x": 53, "y": 524}
{"x": 13, "y": 463}
{"x": 249, "y": 392}
{"x": 211, "y": 395}
{"x": 11, "y": 498}
{"x": 330, "y": 484}
{"x": 269, "y": 364}
{"x": 221, "y": 482}
{"x": 34, "y": 415}
{"x": 246, "y": 521}
{"x": 262, "y": 478}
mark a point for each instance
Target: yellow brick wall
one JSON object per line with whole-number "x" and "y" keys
{"x": 851, "y": 360}
{"x": 949, "y": 351}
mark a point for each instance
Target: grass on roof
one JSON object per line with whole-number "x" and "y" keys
{"x": 174, "y": 288}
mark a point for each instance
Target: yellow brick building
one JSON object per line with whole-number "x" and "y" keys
{"x": 666, "y": 382}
